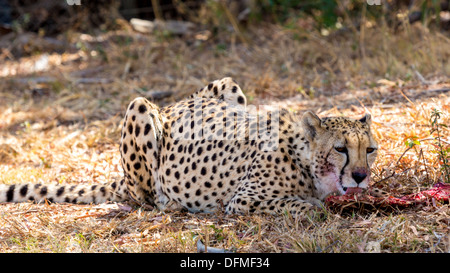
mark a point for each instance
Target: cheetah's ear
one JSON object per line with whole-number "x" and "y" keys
{"x": 366, "y": 119}
{"x": 311, "y": 123}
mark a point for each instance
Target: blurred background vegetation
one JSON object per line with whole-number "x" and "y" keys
{"x": 321, "y": 45}
{"x": 53, "y": 17}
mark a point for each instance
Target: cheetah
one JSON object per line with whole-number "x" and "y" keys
{"x": 213, "y": 152}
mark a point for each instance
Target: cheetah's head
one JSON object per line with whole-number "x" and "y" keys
{"x": 342, "y": 152}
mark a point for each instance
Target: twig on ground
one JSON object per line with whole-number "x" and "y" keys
{"x": 393, "y": 173}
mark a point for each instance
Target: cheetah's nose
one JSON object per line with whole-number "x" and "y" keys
{"x": 358, "y": 176}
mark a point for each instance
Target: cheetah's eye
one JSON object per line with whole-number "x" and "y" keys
{"x": 341, "y": 149}
{"x": 370, "y": 150}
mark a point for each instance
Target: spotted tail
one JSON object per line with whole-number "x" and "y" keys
{"x": 76, "y": 194}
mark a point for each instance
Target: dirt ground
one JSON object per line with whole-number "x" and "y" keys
{"x": 61, "y": 114}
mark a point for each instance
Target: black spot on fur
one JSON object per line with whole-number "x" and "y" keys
{"x": 24, "y": 190}
{"x": 10, "y": 193}
{"x": 137, "y": 130}
{"x": 142, "y": 109}
{"x": 103, "y": 190}
{"x": 60, "y": 191}
{"x": 147, "y": 129}
{"x": 43, "y": 191}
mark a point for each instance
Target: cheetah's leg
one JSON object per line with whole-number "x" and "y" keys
{"x": 140, "y": 147}
{"x": 277, "y": 206}
{"x": 248, "y": 199}
{"x": 225, "y": 89}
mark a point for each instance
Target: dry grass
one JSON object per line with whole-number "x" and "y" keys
{"x": 62, "y": 124}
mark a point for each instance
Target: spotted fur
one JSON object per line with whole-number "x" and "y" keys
{"x": 212, "y": 152}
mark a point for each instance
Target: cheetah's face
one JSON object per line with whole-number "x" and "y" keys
{"x": 343, "y": 150}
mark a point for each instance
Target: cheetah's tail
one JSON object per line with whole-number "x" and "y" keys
{"x": 76, "y": 194}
